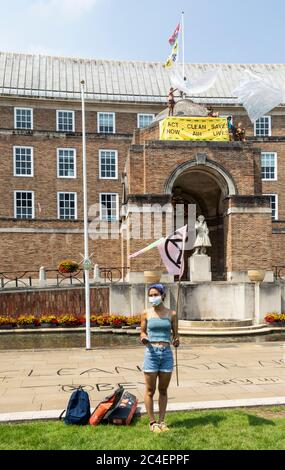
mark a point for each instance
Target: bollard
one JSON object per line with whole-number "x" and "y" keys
{"x": 43, "y": 277}
{"x": 97, "y": 277}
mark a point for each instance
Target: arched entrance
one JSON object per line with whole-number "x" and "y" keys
{"x": 207, "y": 186}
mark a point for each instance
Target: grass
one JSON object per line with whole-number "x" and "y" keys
{"x": 241, "y": 429}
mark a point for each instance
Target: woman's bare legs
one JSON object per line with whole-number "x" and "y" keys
{"x": 163, "y": 384}
{"x": 150, "y": 382}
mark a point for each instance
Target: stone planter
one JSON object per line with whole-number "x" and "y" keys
{"x": 152, "y": 277}
{"x": 256, "y": 275}
{"x": 26, "y": 327}
{"x": 48, "y": 325}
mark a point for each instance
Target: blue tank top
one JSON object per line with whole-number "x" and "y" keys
{"x": 159, "y": 330}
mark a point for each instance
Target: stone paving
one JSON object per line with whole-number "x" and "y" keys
{"x": 43, "y": 380}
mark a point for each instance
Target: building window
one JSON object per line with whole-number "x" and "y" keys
{"x": 67, "y": 206}
{"x": 66, "y": 163}
{"x": 24, "y": 204}
{"x": 65, "y": 121}
{"x": 108, "y": 163}
{"x": 23, "y": 118}
{"x": 23, "y": 161}
{"x": 262, "y": 127}
{"x": 274, "y": 205}
{"x": 109, "y": 206}
{"x": 269, "y": 166}
{"x": 106, "y": 123}
{"x": 144, "y": 120}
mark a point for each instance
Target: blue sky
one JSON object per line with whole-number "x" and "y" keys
{"x": 216, "y": 31}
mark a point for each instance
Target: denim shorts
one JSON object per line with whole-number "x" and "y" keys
{"x": 158, "y": 359}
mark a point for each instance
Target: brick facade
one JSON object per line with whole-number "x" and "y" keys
{"x": 148, "y": 164}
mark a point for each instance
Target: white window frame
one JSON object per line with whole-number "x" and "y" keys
{"x": 144, "y": 114}
{"x": 277, "y": 206}
{"x": 270, "y": 127}
{"x": 117, "y": 207}
{"x": 75, "y": 163}
{"x": 15, "y": 147}
{"x": 15, "y": 118}
{"x": 100, "y": 165}
{"x": 275, "y": 165}
{"x": 58, "y": 206}
{"x": 98, "y": 122}
{"x": 57, "y": 119}
{"x": 15, "y": 203}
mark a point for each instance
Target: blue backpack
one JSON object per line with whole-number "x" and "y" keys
{"x": 78, "y": 408}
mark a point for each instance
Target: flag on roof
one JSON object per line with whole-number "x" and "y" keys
{"x": 174, "y": 36}
{"x": 173, "y": 56}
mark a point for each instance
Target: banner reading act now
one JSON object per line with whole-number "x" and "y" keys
{"x": 178, "y": 128}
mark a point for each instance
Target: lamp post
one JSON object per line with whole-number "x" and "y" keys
{"x": 87, "y": 263}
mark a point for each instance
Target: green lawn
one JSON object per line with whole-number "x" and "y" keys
{"x": 262, "y": 428}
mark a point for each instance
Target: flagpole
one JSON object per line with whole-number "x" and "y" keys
{"x": 86, "y": 247}
{"x": 183, "y": 46}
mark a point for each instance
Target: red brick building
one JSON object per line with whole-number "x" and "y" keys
{"x": 41, "y": 204}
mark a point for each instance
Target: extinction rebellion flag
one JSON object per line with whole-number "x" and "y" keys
{"x": 172, "y": 250}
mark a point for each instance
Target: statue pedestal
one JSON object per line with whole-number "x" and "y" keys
{"x": 200, "y": 268}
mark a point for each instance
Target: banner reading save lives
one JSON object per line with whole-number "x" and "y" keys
{"x": 196, "y": 128}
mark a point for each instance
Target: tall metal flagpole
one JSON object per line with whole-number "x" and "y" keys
{"x": 86, "y": 247}
{"x": 183, "y": 46}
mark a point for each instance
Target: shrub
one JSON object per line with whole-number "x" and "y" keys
{"x": 27, "y": 320}
{"x": 52, "y": 319}
{"x": 68, "y": 266}
{"x": 70, "y": 320}
{"x": 275, "y": 317}
{"x": 135, "y": 320}
{"x": 8, "y": 321}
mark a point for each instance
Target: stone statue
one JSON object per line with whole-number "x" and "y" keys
{"x": 202, "y": 241}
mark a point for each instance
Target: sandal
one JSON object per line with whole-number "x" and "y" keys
{"x": 155, "y": 427}
{"x": 164, "y": 427}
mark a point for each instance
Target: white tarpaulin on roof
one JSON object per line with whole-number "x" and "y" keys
{"x": 258, "y": 96}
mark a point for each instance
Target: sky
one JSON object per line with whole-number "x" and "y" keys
{"x": 216, "y": 31}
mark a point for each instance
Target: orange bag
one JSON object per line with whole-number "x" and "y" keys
{"x": 106, "y": 407}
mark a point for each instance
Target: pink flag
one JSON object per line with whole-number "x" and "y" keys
{"x": 174, "y": 36}
{"x": 172, "y": 250}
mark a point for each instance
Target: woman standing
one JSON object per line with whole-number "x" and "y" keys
{"x": 158, "y": 327}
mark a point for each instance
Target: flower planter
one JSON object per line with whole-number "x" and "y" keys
{"x": 256, "y": 275}
{"x": 7, "y": 327}
{"x": 152, "y": 277}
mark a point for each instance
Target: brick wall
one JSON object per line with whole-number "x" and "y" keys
{"x": 248, "y": 234}
{"x": 54, "y": 302}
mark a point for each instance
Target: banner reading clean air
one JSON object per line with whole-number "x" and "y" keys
{"x": 179, "y": 128}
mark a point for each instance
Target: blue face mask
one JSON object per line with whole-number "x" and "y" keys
{"x": 155, "y": 301}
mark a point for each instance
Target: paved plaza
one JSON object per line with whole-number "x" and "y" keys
{"x": 40, "y": 381}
